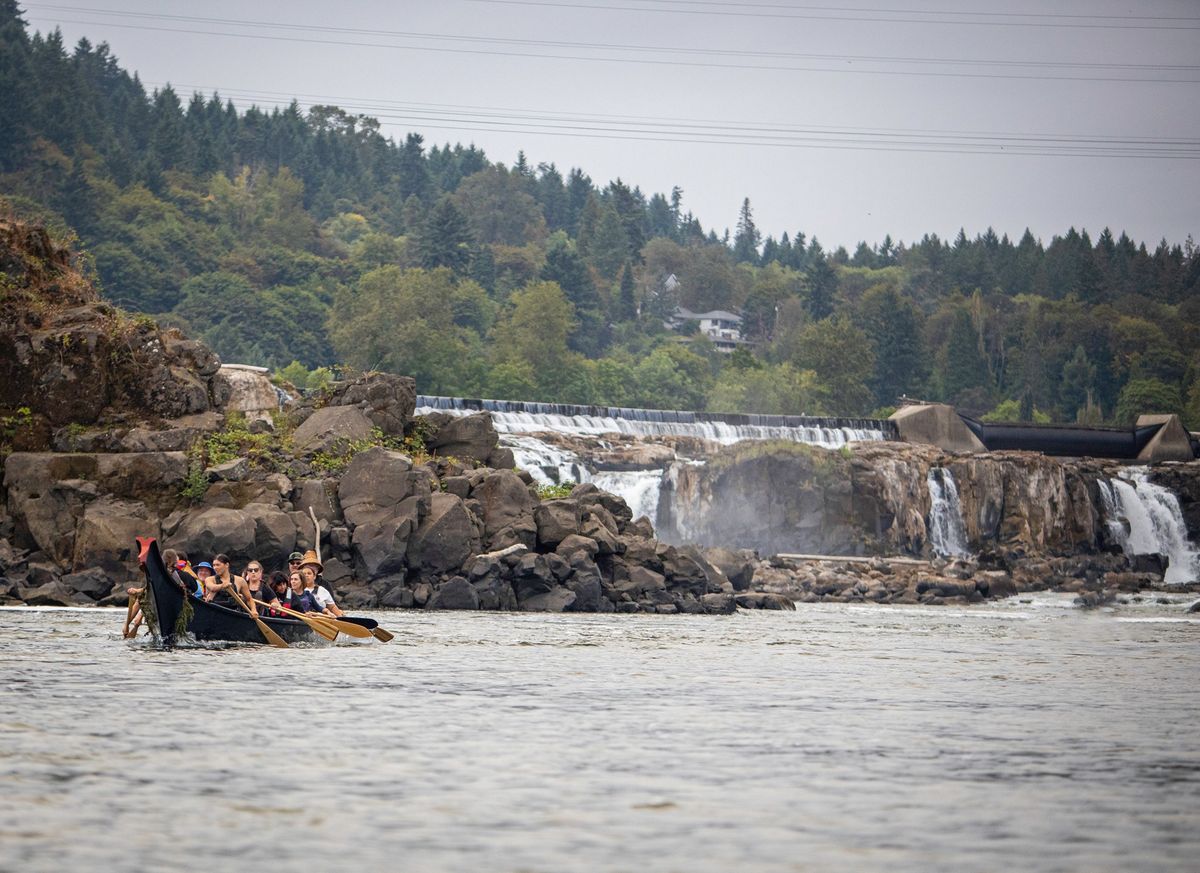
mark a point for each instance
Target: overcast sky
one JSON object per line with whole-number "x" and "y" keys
{"x": 847, "y": 120}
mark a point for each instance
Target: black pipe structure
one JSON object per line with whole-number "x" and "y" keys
{"x": 1065, "y": 440}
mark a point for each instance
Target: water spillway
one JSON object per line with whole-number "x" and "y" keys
{"x": 516, "y": 416}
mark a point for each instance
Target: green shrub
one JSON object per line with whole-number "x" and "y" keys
{"x": 553, "y": 492}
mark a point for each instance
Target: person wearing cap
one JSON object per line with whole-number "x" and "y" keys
{"x": 310, "y": 569}
{"x": 204, "y": 572}
{"x": 294, "y": 560}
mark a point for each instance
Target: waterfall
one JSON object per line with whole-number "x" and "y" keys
{"x": 513, "y": 417}
{"x": 547, "y": 464}
{"x": 550, "y": 465}
{"x": 947, "y": 534}
{"x": 1145, "y": 519}
{"x": 516, "y": 421}
{"x": 639, "y": 488}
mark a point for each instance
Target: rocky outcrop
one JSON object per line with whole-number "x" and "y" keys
{"x": 875, "y": 500}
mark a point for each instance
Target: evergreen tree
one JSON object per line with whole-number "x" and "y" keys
{"x": 745, "y": 243}
{"x": 17, "y": 95}
{"x": 961, "y": 365}
{"x": 444, "y": 239}
{"x": 609, "y": 249}
{"x": 627, "y": 310}
{"x": 567, "y": 269}
{"x": 632, "y": 214}
{"x": 822, "y": 283}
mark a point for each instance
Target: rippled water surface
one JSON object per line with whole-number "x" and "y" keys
{"x": 1018, "y": 736}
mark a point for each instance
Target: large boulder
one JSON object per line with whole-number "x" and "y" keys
{"x": 318, "y": 494}
{"x": 556, "y": 520}
{"x": 95, "y": 583}
{"x": 557, "y": 599}
{"x": 381, "y": 547}
{"x": 455, "y": 593}
{"x": 387, "y": 401}
{"x": 106, "y": 537}
{"x": 738, "y": 566}
{"x": 446, "y": 537}
{"x": 585, "y": 583}
{"x": 467, "y": 436}
{"x": 204, "y": 534}
{"x": 250, "y": 391}
{"x": 376, "y": 482}
{"x": 589, "y": 495}
{"x": 274, "y": 532}
{"x": 505, "y": 499}
{"x": 330, "y": 427}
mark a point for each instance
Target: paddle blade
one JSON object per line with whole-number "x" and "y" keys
{"x": 382, "y": 635}
{"x": 330, "y": 633}
{"x": 350, "y": 629}
{"x": 273, "y": 638}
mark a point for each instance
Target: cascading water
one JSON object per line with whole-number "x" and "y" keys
{"x": 515, "y": 421}
{"x": 947, "y": 533}
{"x": 550, "y": 465}
{"x": 1145, "y": 519}
{"x": 511, "y": 417}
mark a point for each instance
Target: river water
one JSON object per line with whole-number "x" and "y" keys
{"x": 1023, "y": 735}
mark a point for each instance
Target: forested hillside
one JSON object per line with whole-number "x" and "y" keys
{"x": 282, "y": 235}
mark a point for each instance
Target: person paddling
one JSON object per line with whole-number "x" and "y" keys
{"x": 257, "y": 585}
{"x": 220, "y": 586}
{"x": 310, "y": 569}
{"x": 297, "y": 598}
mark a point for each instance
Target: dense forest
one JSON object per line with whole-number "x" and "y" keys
{"x": 306, "y": 240}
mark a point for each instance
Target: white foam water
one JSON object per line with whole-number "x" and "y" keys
{"x": 669, "y": 424}
{"x": 947, "y": 533}
{"x": 1145, "y": 519}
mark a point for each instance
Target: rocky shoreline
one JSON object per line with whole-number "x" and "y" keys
{"x": 112, "y": 428}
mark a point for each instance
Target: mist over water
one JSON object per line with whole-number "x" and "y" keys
{"x": 1020, "y": 735}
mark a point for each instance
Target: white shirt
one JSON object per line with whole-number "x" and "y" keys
{"x": 324, "y": 598}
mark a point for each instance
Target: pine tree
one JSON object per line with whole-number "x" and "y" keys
{"x": 745, "y": 242}
{"x": 444, "y": 238}
{"x": 17, "y": 83}
{"x": 628, "y": 302}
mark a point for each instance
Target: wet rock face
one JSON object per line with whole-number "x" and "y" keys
{"x": 876, "y": 500}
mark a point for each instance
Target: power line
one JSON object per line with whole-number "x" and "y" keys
{"x": 741, "y": 13}
{"x": 624, "y": 61}
{"x": 438, "y": 117}
{"x": 795, "y": 6}
{"x": 657, "y": 49}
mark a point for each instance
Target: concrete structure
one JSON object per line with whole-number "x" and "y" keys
{"x": 1171, "y": 443}
{"x": 935, "y": 424}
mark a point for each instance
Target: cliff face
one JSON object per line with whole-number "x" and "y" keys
{"x": 876, "y": 499}
{"x": 68, "y": 358}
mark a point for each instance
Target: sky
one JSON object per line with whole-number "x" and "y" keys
{"x": 844, "y": 119}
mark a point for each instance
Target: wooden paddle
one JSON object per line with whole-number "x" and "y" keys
{"x": 333, "y": 624}
{"x": 269, "y": 635}
{"x": 373, "y": 626}
{"x": 317, "y": 624}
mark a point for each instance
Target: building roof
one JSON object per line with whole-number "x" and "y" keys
{"x": 712, "y": 315}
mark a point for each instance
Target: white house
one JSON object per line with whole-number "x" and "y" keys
{"x": 723, "y": 328}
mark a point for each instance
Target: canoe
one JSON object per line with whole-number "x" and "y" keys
{"x": 165, "y": 601}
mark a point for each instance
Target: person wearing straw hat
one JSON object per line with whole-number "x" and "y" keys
{"x": 311, "y": 568}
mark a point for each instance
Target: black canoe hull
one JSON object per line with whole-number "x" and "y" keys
{"x": 209, "y": 622}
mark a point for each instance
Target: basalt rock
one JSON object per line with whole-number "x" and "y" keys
{"x": 387, "y": 401}
{"x": 446, "y": 536}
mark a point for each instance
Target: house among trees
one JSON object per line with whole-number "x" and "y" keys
{"x": 723, "y": 328}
